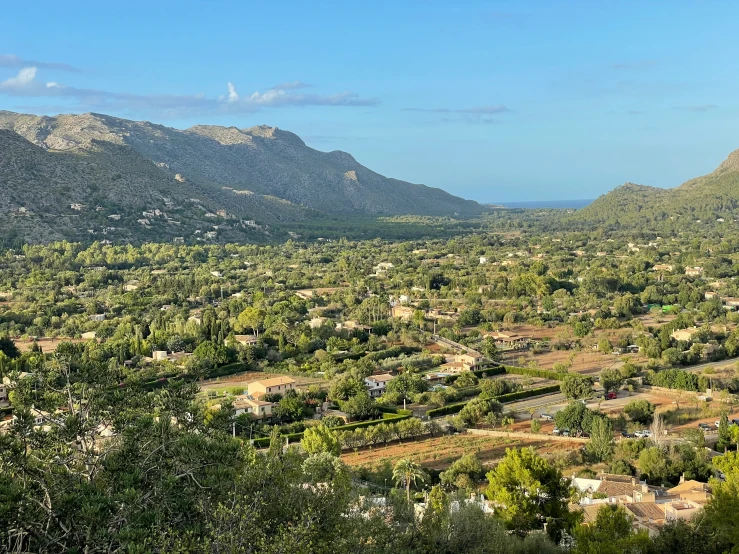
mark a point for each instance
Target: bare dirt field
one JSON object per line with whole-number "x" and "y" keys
{"x": 48, "y": 345}
{"x": 584, "y": 361}
{"x": 247, "y": 377}
{"x": 438, "y": 453}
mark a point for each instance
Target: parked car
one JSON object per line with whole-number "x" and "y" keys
{"x": 704, "y": 426}
{"x": 735, "y": 421}
{"x": 582, "y": 401}
{"x": 547, "y": 417}
{"x": 643, "y": 434}
{"x": 611, "y": 396}
{"x": 556, "y": 431}
{"x": 627, "y": 435}
{"x": 717, "y": 423}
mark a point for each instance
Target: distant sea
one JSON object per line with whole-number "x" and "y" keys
{"x": 576, "y": 204}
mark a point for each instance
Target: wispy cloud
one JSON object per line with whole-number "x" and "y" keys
{"x": 699, "y": 108}
{"x": 292, "y": 85}
{"x": 26, "y": 84}
{"x": 475, "y": 115}
{"x": 640, "y": 64}
{"x": 626, "y": 112}
{"x": 11, "y": 60}
{"x": 486, "y": 110}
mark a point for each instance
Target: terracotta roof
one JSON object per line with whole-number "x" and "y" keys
{"x": 646, "y": 510}
{"x": 616, "y": 488}
{"x": 382, "y": 378}
{"x": 689, "y": 486}
{"x": 274, "y": 381}
{"x": 589, "y": 511}
{"x": 616, "y": 477}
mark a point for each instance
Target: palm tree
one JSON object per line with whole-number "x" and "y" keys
{"x": 407, "y": 472}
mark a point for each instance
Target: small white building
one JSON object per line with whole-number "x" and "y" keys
{"x": 376, "y": 384}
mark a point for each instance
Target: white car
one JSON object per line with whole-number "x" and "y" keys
{"x": 644, "y": 434}
{"x": 717, "y": 423}
{"x": 547, "y": 417}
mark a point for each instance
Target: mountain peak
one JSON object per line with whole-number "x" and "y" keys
{"x": 731, "y": 163}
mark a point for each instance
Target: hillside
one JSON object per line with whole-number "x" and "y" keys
{"x": 101, "y": 193}
{"x": 705, "y": 199}
{"x": 261, "y": 173}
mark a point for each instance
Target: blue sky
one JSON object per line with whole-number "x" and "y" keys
{"x": 495, "y": 101}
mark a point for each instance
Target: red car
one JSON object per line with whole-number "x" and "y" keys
{"x": 611, "y": 396}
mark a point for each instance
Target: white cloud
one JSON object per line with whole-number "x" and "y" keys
{"x": 23, "y": 80}
{"x": 233, "y": 95}
{"x": 24, "y": 84}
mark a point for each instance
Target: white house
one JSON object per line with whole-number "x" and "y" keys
{"x": 376, "y": 384}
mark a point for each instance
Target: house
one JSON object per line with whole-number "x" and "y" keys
{"x": 510, "y": 341}
{"x": 352, "y": 325}
{"x": 483, "y": 260}
{"x": 471, "y": 360}
{"x": 454, "y": 368}
{"x": 376, "y": 384}
{"x": 695, "y": 271}
{"x": 685, "y": 335}
{"x": 178, "y": 240}
{"x": 90, "y": 335}
{"x": 663, "y": 267}
{"x": 3, "y": 393}
{"x": 76, "y": 207}
{"x": 276, "y": 385}
{"x": 257, "y": 409}
{"x": 130, "y": 287}
{"x": 317, "y": 322}
{"x": 115, "y": 217}
{"x": 403, "y": 313}
{"x": 97, "y": 317}
{"x": 159, "y": 355}
{"x": 245, "y": 340}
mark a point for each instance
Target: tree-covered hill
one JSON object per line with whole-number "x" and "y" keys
{"x": 703, "y": 200}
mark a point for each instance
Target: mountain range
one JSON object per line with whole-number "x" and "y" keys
{"x": 712, "y": 198}
{"x": 95, "y": 176}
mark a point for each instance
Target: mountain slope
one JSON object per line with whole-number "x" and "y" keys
{"x": 99, "y": 193}
{"x": 256, "y": 173}
{"x": 706, "y": 199}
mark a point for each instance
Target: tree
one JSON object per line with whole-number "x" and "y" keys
{"x": 724, "y": 434}
{"x": 320, "y": 439}
{"x": 290, "y": 407}
{"x": 576, "y": 417}
{"x": 535, "y": 426}
{"x": 489, "y": 348}
{"x": 576, "y": 386}
{"x": 600, "y": 446}
{"x": 611, "y": 379}
{"x": 611, "y": 533}
{"x": 8, "y": 347}
{"x": 640, "y": 411}
{"x": 406, "y": 385}
{"x": 466, "y": 379}
{"x": 653, "y": 462}
{"x": 360, "y": 406}
{"x": 604, "y": 345}
{"x": 528, "y": 492}
{"x": 468, "y": 466}
{"x": 251, "y": 318}
{"x": 406, "y": 473}
{"x": 344, "y": 387}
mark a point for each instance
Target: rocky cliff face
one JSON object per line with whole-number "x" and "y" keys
{"x": 240, "y": 168}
